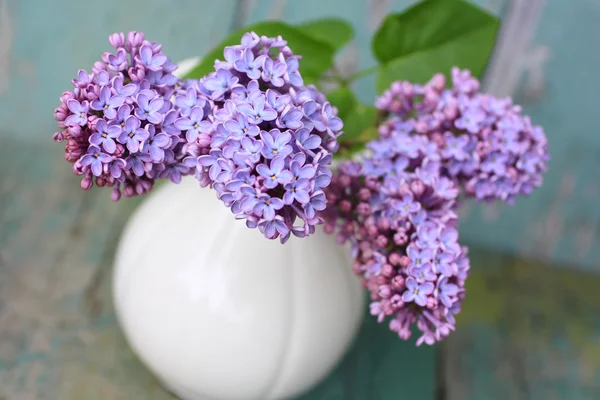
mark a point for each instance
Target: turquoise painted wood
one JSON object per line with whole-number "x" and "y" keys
{"x": 58, "y": 335}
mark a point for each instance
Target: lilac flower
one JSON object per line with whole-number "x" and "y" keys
{"x": 136, "y": 161}
{"x": 290, "y": 118}
{"x": 105, "y": 136}
{"x": 443, "y": 263}
{"x": 156, "y": 144}
{"x": 250, "y": 65}
{"x": 211, "y": 161}
{"x": 107, "y": 103}
{"x": 395, "y": 252}
{"x": 406, "y": 205}
{"x": 95, "y": 159}
{"x": 149, "y": 107}
{"x": 447, "y": 292}
{"x": 274, "y": 174}
{"x": 131, "y": 90}
{"x": 273, "y": 72}
{"x": 419, "y": 257}
{"x": 124, "y": 91}
{"x": 154, "y": 62}
{"x": 240, "y": 127}
{"x": 250, "y": 153}
{"x": 317, "y": 202}
{"x": 266, "y": 161}
{"x": 276, "y": 143}
{"x": 495, "y": 163}
{"x": 417, "y": 292}
{"x": 132, "y": 135}
{"x": 174, "y": 172}
{"x": 482, "y": 138}
{"x": 266, "y": 206}
{"x": 455, "y": 147}
{"x": 117, "y": 62}
{"x": 256, "y": 113}
{"x": 187, "y": 101}
{"x": 276, "y": 101}
{"x": 423, "y": 273}
{"x": 270, "y": 228}
{"x": 194, "y": 124}
{"x": 297, "y": 191}
{"x": 218, "y": 84}
{"x": 80, "y": 113}
{"x": 292, "y": 74}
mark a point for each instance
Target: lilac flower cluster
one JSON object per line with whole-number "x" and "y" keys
{"x": 121, "y": 129}
{"x": 398, "y": 214}
{"x": 486, "y": 145}
{"x": 272, "y": 138}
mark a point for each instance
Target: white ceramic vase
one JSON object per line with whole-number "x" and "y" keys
{"x": 217, "y": 311}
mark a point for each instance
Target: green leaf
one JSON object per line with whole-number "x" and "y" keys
{"x": 343, "y": 99}
{"x": 431, "y": 37}
{"x": 358, "y": 120}
{"x": 317, "y": 56}
{"x": 333, "y": 31}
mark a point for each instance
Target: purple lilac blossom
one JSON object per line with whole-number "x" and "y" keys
{"x": 271, "y": 138}
{"x": 122, "y": 123}
{"x": 486, "y": 145}
{"x": 401, "y": 224}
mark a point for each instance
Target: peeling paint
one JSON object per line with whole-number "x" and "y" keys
{"x": 6, "y": 39}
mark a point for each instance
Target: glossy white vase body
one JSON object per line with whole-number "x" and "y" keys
{"x": 217, "y": 311}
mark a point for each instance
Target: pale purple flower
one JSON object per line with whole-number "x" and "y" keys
{"x": 274, "y": 174}
{"x": 149, "y": 107}
{"x": 423, "y": 273}
{"x": 273, "y": 72}
{"x": 267, "y": 205}
{"x": 194, "y": 124}
{"x": 80, "y": 113}
{"x": 156, "y": 144}
{"x": 136, "y": 162}
{"x": 107, "y": 103}
{"x": 471, "y": 120}
{"x": 125, "y": 91}
{"x": 95, "y": 159}
{"x": 443, "y": 262}
{"x": 257, "y": 113}
{"x": 455, "y": 146}
{"x": 417, "y": 292}
{"x": 406, "y": 205}
{"x": 220, "y": 82}
{"x": 250, "y": 153}
{"x": 419, "y": 257}
{"x": 271, "y": 228}
{"x": 105, "y": 136}
{"x": 447, "y": 292}
{"x": 277, "y": 101}
{"x": 117, "y": 62}
{"x": 250, "y": 65}
{"x": 275, "y": 143}
{"x": 297, "y": 190}
{"x": 132, "y": 135}
{"x": 154, "y": 62}
{"x": 495, "y": 163}
{"x": 240, "y": 127}
{"x": 290, "y": 118}
{"x": 317, "y": 202}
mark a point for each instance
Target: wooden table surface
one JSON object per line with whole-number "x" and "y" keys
{"x": 528, "y": 331}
